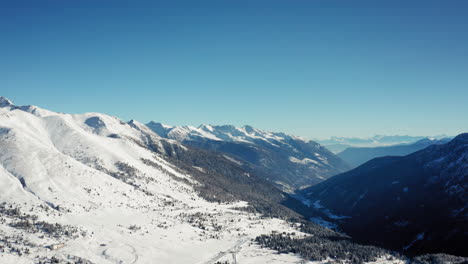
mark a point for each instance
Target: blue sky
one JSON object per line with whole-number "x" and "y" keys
{"x": 310, "y": 68}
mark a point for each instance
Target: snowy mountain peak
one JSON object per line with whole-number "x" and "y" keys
{"x": 290, "y": 161}
{"x": 250, "y": 129}
{"x": 134, "y": 123}
{"x": 206, "y": 127}
{"x": 160, "y": 128}
{"x": 229, "y": 133}
{"x": 4, "y": 102}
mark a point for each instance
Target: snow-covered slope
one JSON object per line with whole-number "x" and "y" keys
{"x": 92, "y": 188}
{"x": 287, "y": 161}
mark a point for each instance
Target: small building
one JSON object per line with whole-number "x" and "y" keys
{"x": 56, "y": 246}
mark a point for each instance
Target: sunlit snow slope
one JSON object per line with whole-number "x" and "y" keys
{"x": 88, "y": 188}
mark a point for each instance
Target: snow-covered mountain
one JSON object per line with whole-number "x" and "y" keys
{"x": 287, "y": 161}
{"x": 415, "y": 203}
{"x": 90, "y": 188}
{"x": 338, "y": 144}
{"x": 114, "y": 199}
{"x": 356, "y": 156}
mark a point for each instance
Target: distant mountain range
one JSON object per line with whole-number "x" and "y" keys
{"x": 338, "y": 144}
{"x": 356, "y": 156}
{"x": 287, "y": 161}
{"x": 415, "y": 203}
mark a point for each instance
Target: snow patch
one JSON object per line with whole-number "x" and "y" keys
{"x": 232, "y": 160}
{"x": 199, "y": 168}
{"x": 302, "y": 161}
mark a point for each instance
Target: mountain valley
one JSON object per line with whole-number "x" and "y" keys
{"x": 91, "y": 188}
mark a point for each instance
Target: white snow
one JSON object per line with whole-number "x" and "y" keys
{"x": 245, "y": 134}
{"x": 232, "y": 160}
{"x": 387, "y": 260}
{"x": 199, "y": 168}
{"x": 251, "y": 253}
{"x": 303, "y": 161}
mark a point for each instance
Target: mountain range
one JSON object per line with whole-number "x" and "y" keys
{"x": 287, "y": 161}
{"x": 356, "y": 156}
{"x": 414, "y": 203}
{"x": 92, "y": 188}
{"x": 339, "y": 144}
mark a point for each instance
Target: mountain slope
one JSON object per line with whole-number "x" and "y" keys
{"x": 416, "y": 203}
{"x": 288, "y": 162}
{"x": 356, "y": 156}
{"x": 91, "y": 188}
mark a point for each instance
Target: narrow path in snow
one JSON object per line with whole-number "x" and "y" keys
{"x": 235, "y": 249}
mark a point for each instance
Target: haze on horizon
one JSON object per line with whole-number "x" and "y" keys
{"x": 310, "y": 69}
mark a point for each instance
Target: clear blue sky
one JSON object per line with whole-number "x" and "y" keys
{"x": 310, "y": 68}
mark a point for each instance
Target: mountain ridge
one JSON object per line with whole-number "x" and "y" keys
{"x": 288, "y": 161}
